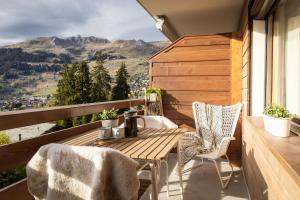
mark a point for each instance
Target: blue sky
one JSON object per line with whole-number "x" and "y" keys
{"x": 112, "y": 19}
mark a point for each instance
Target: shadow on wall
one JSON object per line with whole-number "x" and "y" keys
{"x": 256, "y": 183}
{"x": 171, "y": 110}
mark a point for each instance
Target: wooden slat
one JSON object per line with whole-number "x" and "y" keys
{"x": 15, "y": 119}
{"x": 16, "y": 191}
{"x": 219, "y": 67}
{"x": 184, "y": 48}
{"x": 123, "y": 145}
{"x": 205, "y": 41}
{"x": 179, "y": 113}
{"x": 19, "y": 153}
{"x": 171, "y": 144}
{"x": 83, "y": 139}
{"x": 155, "y": 143}
{"x": 194, "y": 55}
{"x": 186, "y": 98}
{"x": 140, "y": 142}
{"x": 208, "y": 84}
{"x": 164, "y": 142}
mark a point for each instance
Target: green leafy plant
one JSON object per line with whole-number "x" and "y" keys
{"x": 151, "y": 90}
{"x": 277, "y": 111}
{"x": 12, "y": 175}
{"x": 4, "y": 138}
{"x": 106, "y": 115}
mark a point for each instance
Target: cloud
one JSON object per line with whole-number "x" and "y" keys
{"x": 112, "y": 19}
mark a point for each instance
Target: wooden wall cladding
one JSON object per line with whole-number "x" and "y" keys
{"x": 194, "y": 68}
{"x": 199, "y": 68}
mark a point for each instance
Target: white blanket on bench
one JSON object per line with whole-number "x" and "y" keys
{"x": 62, "y": 172}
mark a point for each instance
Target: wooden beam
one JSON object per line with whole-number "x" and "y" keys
{"x": 235, "y": 148}
{"x": 236, "y": 68}
{"x": 15, "y": 119}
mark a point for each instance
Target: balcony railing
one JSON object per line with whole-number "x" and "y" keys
{"x": 19, "y": 153}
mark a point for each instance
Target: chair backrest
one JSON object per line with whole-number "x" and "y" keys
{"x": 230, "y": 116}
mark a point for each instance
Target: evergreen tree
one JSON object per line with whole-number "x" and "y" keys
{"x": 65, "y": 93}
{"x": 121, "y": 90}
{"x": 73, "y": 88}
{"x": 101, "y": 81}
{"x": 82, "y": 83}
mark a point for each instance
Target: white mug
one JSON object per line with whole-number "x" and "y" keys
{"x": 104, "y": 133}
{"x": 118, "y": 132}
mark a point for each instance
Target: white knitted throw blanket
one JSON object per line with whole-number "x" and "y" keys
{"x": 209, "y": 133}
{"x": 62, "y": 172}
{"x": 210, "y": 123}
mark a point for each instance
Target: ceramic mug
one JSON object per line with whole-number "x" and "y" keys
{"x": 118, "y": 132}
{"x": 104, "y": 133}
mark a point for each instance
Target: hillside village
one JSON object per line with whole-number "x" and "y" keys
{"x": 29, "y": 70}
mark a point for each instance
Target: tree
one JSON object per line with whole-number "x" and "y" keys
{"x": 66, "y": 90}
{"x": 73, "y": 88}
{"x": 82, "y": 83}
{"x": 121, "y": 90}
{"x": 101, "y": 81}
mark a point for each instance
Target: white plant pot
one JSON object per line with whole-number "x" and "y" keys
{"x": 279, "y": 127}
{"x": 110, "y": 123}
{"x": 152, "y": 97}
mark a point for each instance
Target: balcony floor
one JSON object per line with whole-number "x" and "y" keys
{"x": 201, "y": 183}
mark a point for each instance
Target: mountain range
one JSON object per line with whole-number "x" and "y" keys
{"x": 32, "y": 67}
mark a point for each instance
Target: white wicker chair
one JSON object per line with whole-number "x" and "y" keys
{"x": 230, "y": 115}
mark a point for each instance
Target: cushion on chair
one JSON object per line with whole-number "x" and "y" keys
{"x": 157, "y": 122}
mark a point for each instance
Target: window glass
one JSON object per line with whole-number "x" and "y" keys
{"x": 286, "y": 56}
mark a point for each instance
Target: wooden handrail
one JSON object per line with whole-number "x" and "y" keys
{"x": 19, "y": 153}
{"x": 16, "y": 119}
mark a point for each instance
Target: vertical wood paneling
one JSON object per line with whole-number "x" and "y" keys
{"x": 246, "y": 47}
{"x": 235, "y": 147}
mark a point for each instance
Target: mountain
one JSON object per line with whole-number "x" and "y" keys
{"x": 32, "y": 67}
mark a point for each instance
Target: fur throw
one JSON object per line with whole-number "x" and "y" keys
{"x": 62, "y": 172}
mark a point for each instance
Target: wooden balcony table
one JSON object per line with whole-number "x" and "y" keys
{"x": 151, "y": 146}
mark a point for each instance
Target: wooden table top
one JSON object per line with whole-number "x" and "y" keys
{"x": 151, "y": 144}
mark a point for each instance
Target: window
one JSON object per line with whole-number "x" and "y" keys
{"x": 285, "y": 76}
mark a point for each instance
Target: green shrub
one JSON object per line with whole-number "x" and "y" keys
{"x": 109, "y": 114}
{"x": 151, "y": 90}
{"x": 4, "y": 138}
{"x": 106, "y": 115}
{"x": 11, "y": 176}
{"x": 277, "y": 111}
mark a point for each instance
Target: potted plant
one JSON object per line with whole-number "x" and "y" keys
{"x": 152, "y": 93}
{"x": 109, "y": 118}
{"x": 277, "y": 120}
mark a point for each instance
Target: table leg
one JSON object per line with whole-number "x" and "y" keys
{"x": 154, "y": 195}
{"x": 179, "y": 168}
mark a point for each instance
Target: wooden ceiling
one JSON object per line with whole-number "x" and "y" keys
{"x": 196, "y": 17}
